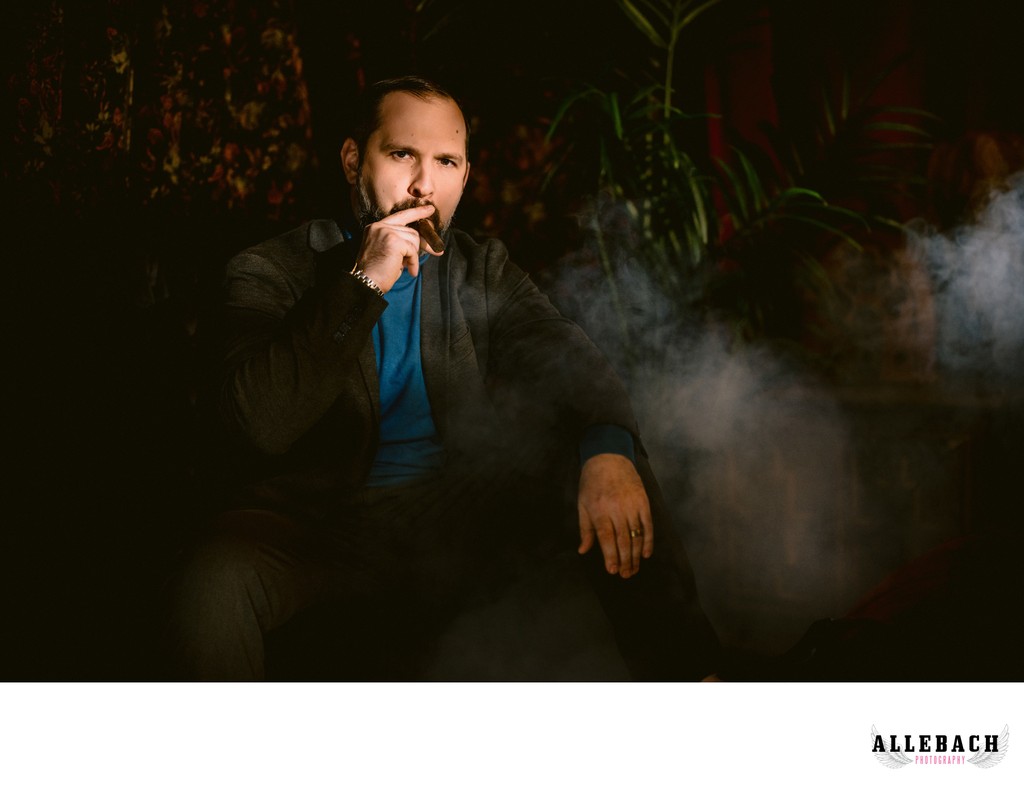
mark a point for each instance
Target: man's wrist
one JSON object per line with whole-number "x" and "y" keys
{"x": 606, "y": 439}
{"x": 365, "y": 280}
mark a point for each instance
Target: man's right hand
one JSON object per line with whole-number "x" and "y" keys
{"x": 390, "y": 245}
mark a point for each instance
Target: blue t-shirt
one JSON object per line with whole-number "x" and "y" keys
{"x": 410, "y": 446}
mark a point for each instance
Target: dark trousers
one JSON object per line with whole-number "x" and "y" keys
{"x": 409, "y": 559}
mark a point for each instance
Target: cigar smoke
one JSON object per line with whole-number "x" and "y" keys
{"x": 746, "y": 447}
{"x": 788, "y": 499}
{"x": 978, "y": 274}
{"x": 787, "y": 496}
{"x": 947, "y": 308}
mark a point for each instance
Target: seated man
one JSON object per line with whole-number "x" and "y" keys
{"x": 424, "y": 429}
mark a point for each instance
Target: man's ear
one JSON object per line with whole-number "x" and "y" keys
{"x": 350, "y": 160}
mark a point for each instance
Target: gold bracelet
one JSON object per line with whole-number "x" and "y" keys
{"x": 365, "y": 280}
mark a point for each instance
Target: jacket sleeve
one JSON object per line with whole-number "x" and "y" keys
{"x": 543, "y": 362}
{"x": 288, "y": 351}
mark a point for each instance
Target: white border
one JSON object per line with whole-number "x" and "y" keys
{"x": 489, "y": 745}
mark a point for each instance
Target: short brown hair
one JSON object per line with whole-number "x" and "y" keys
{"x": 367, "y": 117}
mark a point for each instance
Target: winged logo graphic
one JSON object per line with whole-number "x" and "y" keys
{"x": 985, "y": 760}
{"x": 889, "y": 758}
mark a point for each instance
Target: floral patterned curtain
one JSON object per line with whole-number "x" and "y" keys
{"x": 185, "y": 108}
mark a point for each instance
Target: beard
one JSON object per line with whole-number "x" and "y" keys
{"x": 370, "y": 210}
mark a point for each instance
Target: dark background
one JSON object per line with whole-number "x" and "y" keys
{"x": 116, "y": 254}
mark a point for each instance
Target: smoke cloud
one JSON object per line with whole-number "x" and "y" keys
{"x": 978, "y": 273}
{"x": 794, "y": 494}
{"x": 746, "y": 447}
{"x": 792, "y": 499}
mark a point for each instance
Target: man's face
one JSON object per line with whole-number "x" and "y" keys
{"x": 417, "y": 155}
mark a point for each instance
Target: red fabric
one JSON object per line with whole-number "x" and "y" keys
{"x": 912, "y": 584}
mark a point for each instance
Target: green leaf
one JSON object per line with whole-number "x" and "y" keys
{"x": 887, "y": 222}
{"x": 826, "y": 227}
{"x": 892, "y": 126}
{"x": 660, "y": 13}
{"x": 914, "y": 111}
{"x": 565, "y": 106}
{"x": 700, "y": 215}
{"x": 815, "y": 278}
{"x": 829, "y": 210}
{"x": 556, "y": 166}
{"x": 892, "y": 175}
{"x": 789, "y": 193}
{"x": 646, "y": 95}
{"x": 613, "y": 102}
{"x": 641, "y": 22}
{"x": 883, "y": 147}
{"x": 826, "y": 108}
{"x": 739, "y": 210}
{"x": 689, "y": 18}
{"x": 758, "y": 196}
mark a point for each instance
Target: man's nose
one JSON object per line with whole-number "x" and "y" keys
{"x": 422, "y": 183}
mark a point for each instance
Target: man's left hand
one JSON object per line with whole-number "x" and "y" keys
{"x": 613, "y": 506}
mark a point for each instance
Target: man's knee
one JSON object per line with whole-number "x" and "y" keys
{"x": 224, "y": 572}
{"x": 240, "y": 571}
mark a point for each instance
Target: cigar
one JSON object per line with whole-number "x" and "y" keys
{"x": 426, "y": 230}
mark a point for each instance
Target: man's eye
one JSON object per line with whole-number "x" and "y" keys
{"x": 445, "y": 161}
{"x": 400, "y": 154}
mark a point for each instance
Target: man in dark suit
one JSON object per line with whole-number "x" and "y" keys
{"x": 417, "y": 412}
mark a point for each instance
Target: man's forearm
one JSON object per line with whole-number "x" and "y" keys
{"x": 281, "y": 374}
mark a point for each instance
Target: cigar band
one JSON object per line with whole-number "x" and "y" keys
{"x": 362, "y": 277}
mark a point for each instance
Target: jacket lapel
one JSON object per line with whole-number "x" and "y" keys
{"x": 434, "y": 336}
{"x": 333, "y": 258}
{"x": 368, "y": 368}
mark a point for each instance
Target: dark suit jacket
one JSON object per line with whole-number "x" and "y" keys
{"x": 512, "y": 385}
{"x": 299, "y": 376}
